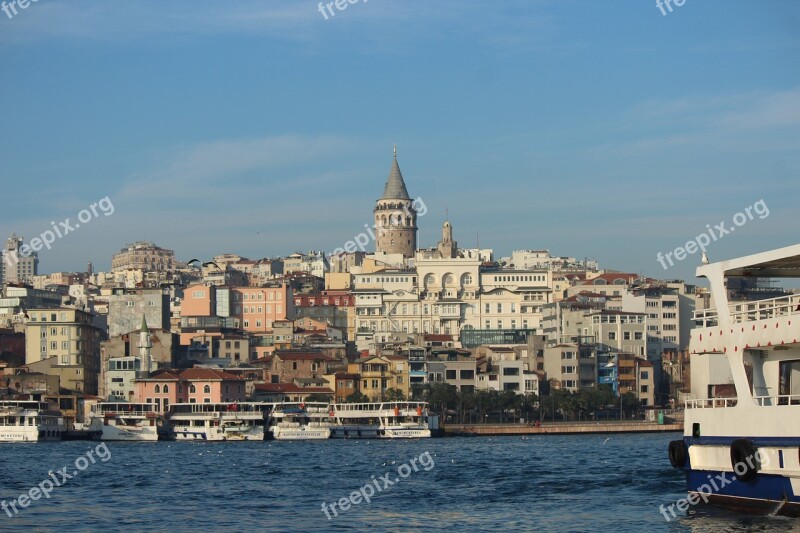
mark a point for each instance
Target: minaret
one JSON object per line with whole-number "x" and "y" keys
{"x": 448, "y": 248}
{"x": 144, "y": 349}
{"x": 395, "y": 216}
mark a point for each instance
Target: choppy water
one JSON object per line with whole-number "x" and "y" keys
{"x": 546, "y": 483}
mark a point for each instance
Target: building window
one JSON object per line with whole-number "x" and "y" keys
{"x": 612, "y": 335}
{"x": 166, "y": 388}
{"x": 207, "y": 389}
{"x": 157, "y": 389}
{"x": 192, "y": 389}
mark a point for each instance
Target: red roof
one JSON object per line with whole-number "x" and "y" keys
{"x": 209, "y": 374}
{"x": 303, "y": 356}
{"x": 610, "y": 278}
{"x": 438, "y": 337}
{"x": 291, "y": 388}
{"x": 206, "y": 374}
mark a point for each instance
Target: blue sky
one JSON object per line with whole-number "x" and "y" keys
{"x": 598, "y": 129}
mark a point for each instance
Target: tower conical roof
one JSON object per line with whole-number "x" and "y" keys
{"x": 395, "y": 188}
{"x": 144, "y": 325}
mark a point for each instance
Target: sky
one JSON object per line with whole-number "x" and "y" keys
{"x": 597, "y": 129}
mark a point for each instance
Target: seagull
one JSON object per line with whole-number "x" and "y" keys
{"x": 704, "y": 258}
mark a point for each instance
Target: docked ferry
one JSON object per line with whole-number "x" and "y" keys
{"x": 29, "y": 421}
{"x": 218, "y": 421}
{"x": 380, "y": 420}
{"x": 301, "y": 421}
{"x": 124, "y": 421}
{"x": 741, "y": 441}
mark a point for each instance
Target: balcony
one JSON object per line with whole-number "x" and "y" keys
{"x": 754, "y": 324}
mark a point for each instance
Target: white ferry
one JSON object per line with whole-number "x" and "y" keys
{"x": 741, "y": 442}
{"x": 301, "y": 421}
{"x": 218, "y": 421}
{"x": 29, "y": 421}
{"x": 125, "y": 421}
{"x": 381, "y": 420}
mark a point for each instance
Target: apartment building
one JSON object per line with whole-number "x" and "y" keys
{"x": 62, "y": 341}
{"x": 144, "y": 256}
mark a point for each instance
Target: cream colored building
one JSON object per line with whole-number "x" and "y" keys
{"x": 67, "y": 338}
{"x": 445, "y": 295}
{"x": 145, "y": 256}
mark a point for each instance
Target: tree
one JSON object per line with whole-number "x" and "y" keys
{"x": 318, "y": 398}
{"x": 394, "y": 395}
{"x": 357, "y": 397}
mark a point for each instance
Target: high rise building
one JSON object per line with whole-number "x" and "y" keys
{"x": 18, "y": 265}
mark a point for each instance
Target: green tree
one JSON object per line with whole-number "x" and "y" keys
{"x": 394, "y": 395}
{"x": 357, "y": 397}
{"x": 319, "y": 398}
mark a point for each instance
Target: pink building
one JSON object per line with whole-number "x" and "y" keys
{"x": 199, "y": 300}
{"x": 254, "y": 309}
{"x": 192, "y": 385}
{"x": 258, "y": 307}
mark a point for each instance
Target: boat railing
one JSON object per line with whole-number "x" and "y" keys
{"x": 379, "y": 409}
{"x": 711, "y": 403}
{"x": 751, "y": 311}
{"x": 220, "y": 408}
{"x": 781, "y": 399}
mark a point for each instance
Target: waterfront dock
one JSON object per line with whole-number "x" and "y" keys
{"x": 561, "y": 428}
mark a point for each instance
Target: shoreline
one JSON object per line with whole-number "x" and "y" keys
{"x": 559, "y": 428}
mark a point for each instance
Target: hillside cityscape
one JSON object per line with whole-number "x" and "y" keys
{"x": 455, "y": 326}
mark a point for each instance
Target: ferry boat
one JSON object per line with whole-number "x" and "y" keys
{"x": 218, "y": 421}
{"x": 741, "y": 443}
{"x": 381, "y": 420}
{"x": 301, "y": 421}
{"x": 124, "y": 421}
{"x": 29, "y": 421}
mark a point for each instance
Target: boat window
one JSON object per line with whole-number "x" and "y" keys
{"x": 789, "y": 386}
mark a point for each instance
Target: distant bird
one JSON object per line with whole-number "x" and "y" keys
{"x": 607, "y": 439}
{"x": 704, "y": 258}
{"x": 207, "y": 263}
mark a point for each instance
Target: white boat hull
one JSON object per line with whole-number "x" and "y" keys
{"x": 405, "y": 433}
{"x": 300, "y": 433}
{"x": 129, "y": 433}
{"x": 215, "y": 434}
{"x": 30, "y": 434}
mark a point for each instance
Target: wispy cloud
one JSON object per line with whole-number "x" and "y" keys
{"x": 225, "y": 165}
{"x": 374, "y": 27}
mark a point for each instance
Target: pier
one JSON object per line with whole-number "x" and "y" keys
{"x": 560, "y": 428}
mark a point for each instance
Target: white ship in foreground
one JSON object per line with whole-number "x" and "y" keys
{"x": 301, "y": 421}
{"x": 29, "y": 421}
{"x": 740, "y": 449}
{"x": 218, "y": 421}
{"x": 381, "y": 420}
{"x": 124, "y": 421}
